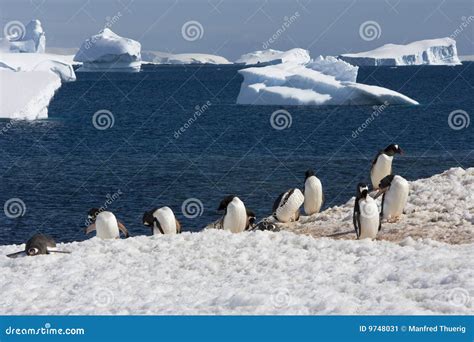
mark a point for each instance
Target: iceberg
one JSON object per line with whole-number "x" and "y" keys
{"x": 108, "y": 51}
{"x": 157, "y": 57}
{"x": 33, "y": 40}
{"x": 330, "y": 65}
{"x": 270, "y": 57}
{"x": 295, "y": 84}
{"x": 440, "y": 51}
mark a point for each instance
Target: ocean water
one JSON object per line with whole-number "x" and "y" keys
{"x": 61, "y": 167}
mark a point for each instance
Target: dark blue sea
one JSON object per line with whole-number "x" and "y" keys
{"x": 63, "y": 166}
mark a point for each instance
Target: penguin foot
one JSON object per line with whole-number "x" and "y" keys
{"x": 393, "y": 219}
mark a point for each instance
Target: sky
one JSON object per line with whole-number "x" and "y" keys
{"x": 232, "y": 27}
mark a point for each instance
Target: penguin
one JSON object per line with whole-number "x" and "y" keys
{"x": 105, "y": 224}
{"x": 237, "y": 218}
{"x": 313, "y": 193}
{"x": 382, "y": 164}
{"x": 395, "y": 191}
{"x": 162, "y": 221}
{"x": 366, "y": 214}
{"x": 38, "y": 244}
{"x": 286, "y": 207}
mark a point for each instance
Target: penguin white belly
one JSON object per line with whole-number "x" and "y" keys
{"x": 313, "y": 195}
{"x": 167, "y": 221}
{"x": 106, "y": 226}
{"x": 381, "y": 168}
{"x": 235, "y": 218}
{"x": 287, "y": 212}
{"x": 395, "y": 198}
{"x": 369, "y": 218}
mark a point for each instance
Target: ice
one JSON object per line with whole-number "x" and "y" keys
{"x": 297, "y": 55}
{"x": 156, "y": 57}
{"x": 295, "y": 84}
{"x": 440, "y": 51}
{"x": 33, "y": 40}
{"x": 107, "y": 51}
{"x": 217, "y": 272}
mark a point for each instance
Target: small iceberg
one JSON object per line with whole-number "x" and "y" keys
{"x": 108, "y": 51}
{"x": 440, "y": 51}
{"x": 157, "y": 57}
{"x": 30, "y": 39}
{"x": 271, "y": 57}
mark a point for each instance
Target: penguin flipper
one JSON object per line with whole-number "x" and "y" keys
{"x": 356, "y": 219}
{"x": 123, "y": 229}
{"x": 178, "y": 227}
{"x": 15, "y": 255}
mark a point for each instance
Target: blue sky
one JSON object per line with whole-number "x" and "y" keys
{"x": 231, "y": 27}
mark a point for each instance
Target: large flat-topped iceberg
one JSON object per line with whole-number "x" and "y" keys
{"x": 157, "y": 57}
{"x": 294, "y": 84}
{"x": 299, "y": 56}
{"x": 107, "y": 51}
{"x": 431, "y": 51}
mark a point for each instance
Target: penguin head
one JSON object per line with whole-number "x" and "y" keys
{"x": 148, "y": 218}
{"x": 386, "y": 181}
{"x": 225, "y": 202}
{"x": 362, "y": 190}
{"x": 392, "y": 149}
{"x": 251, "y": 216}
{"x": 309, "y": 173}
{"x": 32, "y": 251}
{"x": 92, "y": 214}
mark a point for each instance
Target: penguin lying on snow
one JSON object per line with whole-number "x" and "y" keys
{"x": 286, "y": 207}
{"x": 237, "y": 218}
{"x": 105, "y": 224}
{"x": 395, "y": 195}
{"x": 366, "y": 214}
{"x": 313, "y": 193}
{"x": 162, "y": 221}
{"x": 38, "y": 244}
{"x": 382, "y": 164}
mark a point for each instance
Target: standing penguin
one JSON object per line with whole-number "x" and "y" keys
{"x": 286, "y": 207}
{"x": 382, "y": 164}
{"x": 38, "y": 244}
{"x": 162, "y": 221}
{"x": 366, "y": 214}
{"x": 237, "y": 217}
{"x": 395, "y": 195}
{"x": 105, "y": 224}
{"x": 313, "y": 193}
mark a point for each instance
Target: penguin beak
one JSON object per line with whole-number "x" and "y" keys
{"x": 364, "y": 194}
{"x": 90, "y": 229}
{"x": 401, "y": 151}
{"x": 380, "y": 192}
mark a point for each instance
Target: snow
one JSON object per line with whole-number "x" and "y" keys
{"x": 217, "y": 272}
{"x": 270, "y": 56}
{"x": 107, "y": 51}
{"x": 156, "y": 57}
{"x": 342, "y": 71}
{"x": 440, "y": 51}
{"x": 295, "y": 84}
{"x": 33, "y": 40}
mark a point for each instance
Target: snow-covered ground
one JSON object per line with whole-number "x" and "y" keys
{"x": 270, "y": 56}
{"x": 157, "y": 57}
{"x": 217, "y": 272}
{"x": 440, "y": 51}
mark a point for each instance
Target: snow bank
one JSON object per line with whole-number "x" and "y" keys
{"x": 299, "y": 56}
{"x": 107, "y": 51}
{"x": 294, "y": 84}
{"x": 439, "y": 208}
{"x": 156, "y": 57}
{"x": 431, "y": 51}
{"x": 37, "y": 89}
{"x": 33, "y": 40}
